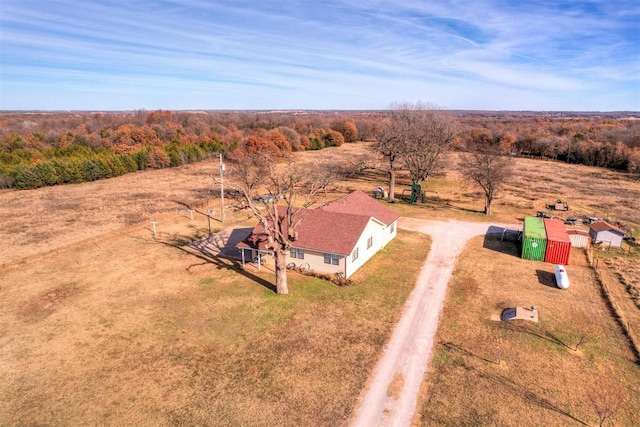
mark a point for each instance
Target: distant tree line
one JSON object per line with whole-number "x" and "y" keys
{"x": 41, "y": 149}
{"x": 603, "y": 142}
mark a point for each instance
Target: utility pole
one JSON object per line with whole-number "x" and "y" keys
{"x": 222, "y": 213}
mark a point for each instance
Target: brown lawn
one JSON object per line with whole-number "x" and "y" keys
{"x": 627, "y": 274}
{"x": 487, "y": 372}
{"x": 37, "y": 222}
{"x": 105, "y": 324}
{"x": 132, "y": 330}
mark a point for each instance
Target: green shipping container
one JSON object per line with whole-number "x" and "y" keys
{"x": 534, "y": 239}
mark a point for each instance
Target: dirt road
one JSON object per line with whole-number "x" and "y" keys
{"x": 391, "y": 397}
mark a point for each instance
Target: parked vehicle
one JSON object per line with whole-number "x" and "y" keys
{"x": 268, "y": 198}
{"x": 559, "y": 205}
{"x": 265, "y": 198}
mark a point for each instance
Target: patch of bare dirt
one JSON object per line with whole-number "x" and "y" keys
{"x": 44, "y": 305}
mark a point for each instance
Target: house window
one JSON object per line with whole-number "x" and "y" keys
{"x": 391, "y": 228}
{"x": 369, "y": 242}
{"x": 297, "y": 253}
{"x": 331, "y": 259}
{"x": 354, "y": 255}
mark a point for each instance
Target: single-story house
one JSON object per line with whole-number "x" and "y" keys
{"x": 339, "y": 237}
{"x": 579, "y": 238}
{"x": 603, "y": 232}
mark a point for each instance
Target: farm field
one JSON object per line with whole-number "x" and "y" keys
{"x": 106, "y": 324}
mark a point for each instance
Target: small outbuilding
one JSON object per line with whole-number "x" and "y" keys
{"x": 579, "y": 238}
{"x": 603, "y": 232}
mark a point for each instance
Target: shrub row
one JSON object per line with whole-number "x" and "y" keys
{"x": 68, "y": 170}
{"x": 75, "y": 166}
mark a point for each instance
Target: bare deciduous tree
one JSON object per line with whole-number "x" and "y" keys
{"x": 415, "y": 137}
{"x": 431, "y": 133}
{"x": 286, "y": 192}
{"x": 606, "y": 396}
{"x": 489, "y": 168}
{"x": 390, "y": 143}
{"x": 583, "y": 333}
{"x": 355, "y": 166}
{"x": 583, "y": 336}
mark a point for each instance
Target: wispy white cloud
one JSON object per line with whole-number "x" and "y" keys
{"x": 493, "y": 54}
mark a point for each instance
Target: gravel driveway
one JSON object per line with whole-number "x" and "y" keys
{"x": 407, "y": 353}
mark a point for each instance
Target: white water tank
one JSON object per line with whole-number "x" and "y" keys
{"x": 562, "y": 279}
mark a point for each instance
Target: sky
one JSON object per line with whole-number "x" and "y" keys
{"x": 537, "y": 55}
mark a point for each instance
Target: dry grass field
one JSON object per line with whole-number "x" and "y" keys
{"x": 590, "y": 192}
{"x": 487, "y": 372}
{"x": 105, "y": 324}
{"x": 37, "y": 222}
{"x": 135, "y": 331}
{"x": 627, "y": 272}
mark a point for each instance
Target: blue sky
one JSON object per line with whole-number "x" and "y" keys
{"x": 335, "y": 54}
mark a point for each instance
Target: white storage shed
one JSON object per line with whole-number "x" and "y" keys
{"x": 579, "y": 238}
{"x": 603, "y": 232}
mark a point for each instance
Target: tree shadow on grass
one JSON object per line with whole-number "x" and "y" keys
{"x": 438, "y": 204}
{"x": 521, "y": 390}
{"x": 539, "y": 400}
{"x": 455, "y": 347}
{"x": 217, "y": 249}
{"x": 520, "y": 326}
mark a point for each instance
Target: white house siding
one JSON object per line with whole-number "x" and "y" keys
{"x": 381, "y": 234}
{"x": 391, "y": 231}
{"x": 606, "y": 236}
{"x": 316, "y": 262}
